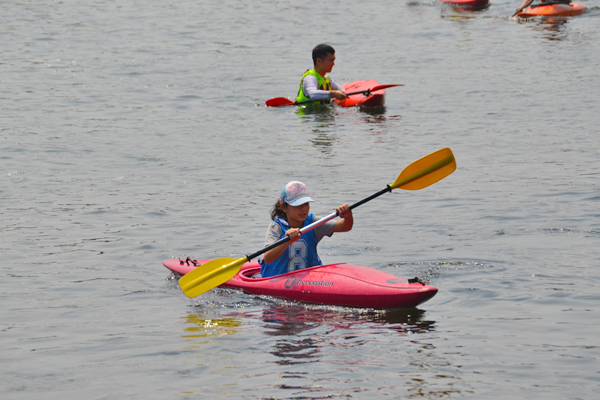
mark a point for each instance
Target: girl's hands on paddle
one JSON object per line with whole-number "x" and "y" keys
{"x": 274, "y": 253}
{"x": 343, "y": 210}
{"x": 294, "y": 234}
{"x": 346, "y": 223}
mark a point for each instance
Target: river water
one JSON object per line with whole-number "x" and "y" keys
{"x": 134, "y": 132}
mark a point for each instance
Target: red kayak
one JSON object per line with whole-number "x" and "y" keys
{"x": 334, "y": 284}
{"x": 553, "y": 10}
{"x": 367, "y": 93}
{"x": 373, "y": 99}
{"x": 467, "y": 3}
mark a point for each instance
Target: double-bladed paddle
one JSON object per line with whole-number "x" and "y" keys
{"x": 282, "y": 101}
{"x": 418, "y": 175}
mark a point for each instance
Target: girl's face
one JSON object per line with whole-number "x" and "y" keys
{"x": 296, "y": 215}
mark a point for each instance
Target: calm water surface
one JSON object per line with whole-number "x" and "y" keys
{"x": 134, "y": 132}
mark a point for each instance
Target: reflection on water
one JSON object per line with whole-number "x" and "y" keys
{"x": 324, "y": 122}
{"x": 462, "y": 15}
{"x": 322, "y": 141}
{"x": 198, "y": 326}
{"x": 321, "y": 118}
{"x": 302, "y": 332}
{"x": 327, "y": 114}
{"x": 458, "y": 18}
{"x": 369, "y": 115}
{"x": 554, "y": 28}
{"x": 309, "y": 340}
{"x": 319, "y": 111}
{"x": 286, "y": 320}
{"x": 449, "y": 11}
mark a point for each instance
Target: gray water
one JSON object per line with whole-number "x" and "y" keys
{"x": 134, "y": 132}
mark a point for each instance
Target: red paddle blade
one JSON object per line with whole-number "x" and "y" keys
{"x": 279, "y": 101}
{"x": 371, "y": 90}
{"x": 376, "y": 88}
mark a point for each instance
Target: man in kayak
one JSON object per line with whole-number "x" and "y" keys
{"x": 315, "y": 83}
{"x": 289, "y": 215}
{"x": 527, "y": 3}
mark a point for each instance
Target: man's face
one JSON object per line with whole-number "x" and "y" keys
{"x": 328, "y": 62}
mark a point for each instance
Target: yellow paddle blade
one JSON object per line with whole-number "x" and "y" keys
{"x": 426, "y": 171}
{"x": 210, "y": 275}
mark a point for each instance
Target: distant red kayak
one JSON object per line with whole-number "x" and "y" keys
{"x": 374, "y": 99}
{"x": 334, "y": 284}
{"x": 554, "y": 10}
{"x": 368, "y": 93}
{"x": 467, "y": 3}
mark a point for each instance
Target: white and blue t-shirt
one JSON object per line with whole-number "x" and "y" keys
{"x": 300, "y": 254}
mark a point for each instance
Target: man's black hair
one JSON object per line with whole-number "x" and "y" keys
{"x": 321, "y": 51}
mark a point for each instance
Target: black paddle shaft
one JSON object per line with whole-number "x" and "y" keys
{"x": 371, "y": 197}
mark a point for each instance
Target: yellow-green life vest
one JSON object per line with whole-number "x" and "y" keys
{"x": 323, "y": 83}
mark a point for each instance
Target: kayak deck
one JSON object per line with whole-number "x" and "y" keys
{"x": 554, "y": 10}
{"x": 334, "y": 284}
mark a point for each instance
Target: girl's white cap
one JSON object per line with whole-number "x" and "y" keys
{"x": 295, "y": 194}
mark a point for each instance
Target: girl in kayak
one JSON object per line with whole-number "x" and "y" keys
{"x": 315, "y": 84}
{"x": 289, "y": 215}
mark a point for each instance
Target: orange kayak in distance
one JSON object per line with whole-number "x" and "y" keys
{"x": 554, "y": 10}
